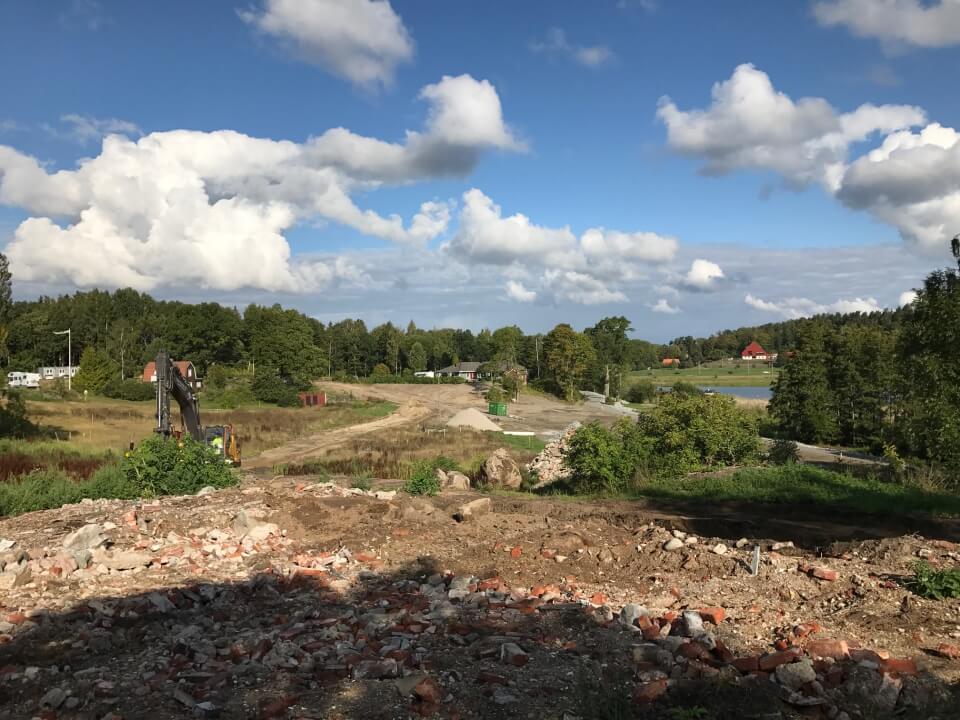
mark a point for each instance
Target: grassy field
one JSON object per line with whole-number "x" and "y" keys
{"x": 713, "y": 375}
{"x": 102, "y": 424}
{"x": 389, "y": 457}
{"x": 802, "y": 485}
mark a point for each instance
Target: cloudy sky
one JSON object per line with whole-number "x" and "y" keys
{"x": 691, "y": 164}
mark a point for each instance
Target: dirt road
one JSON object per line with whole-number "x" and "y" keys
{"x": 432, "y": 405}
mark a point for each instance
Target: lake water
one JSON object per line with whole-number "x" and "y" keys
{"x": 753, "y": 393}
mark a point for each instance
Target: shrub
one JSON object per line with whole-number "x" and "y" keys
{"x": 361, "y": 483}
{"x": 270, "y": 387}
{"x": 604, "y": 460}
{"x": 423, "y": 479}
{"x": 682, "y": 387}
{"x": 783, "y": 452}
{"x": 160, "y": 466}
{"x": 934, "y": 584}
{"x": 129, "y": 390}
{"x": 442, "y": 462}
{"x": 495, "y": 395}
{"x": 13, "y": 416}
{"x": 380, "y": 370}
{"x": 641, "y": 392}
{"x": 695, "y": 432}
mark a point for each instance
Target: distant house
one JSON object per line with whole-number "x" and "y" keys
{"x": 503, "y": 369}
{"x": 58, "y": 371}
{"x": 466, "y": 370}
{"x": 186, "y": 368}
{"x": 671, "y": 362}
{"x": 424, "y": 374}
{"x": 755, "y": 351}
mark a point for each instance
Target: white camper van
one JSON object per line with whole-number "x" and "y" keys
{"x": 23, "y": 380}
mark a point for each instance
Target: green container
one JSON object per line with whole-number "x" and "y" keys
{"x": 498, "y": 409}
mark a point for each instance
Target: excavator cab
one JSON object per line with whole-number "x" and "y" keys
{"x": 222, "y": 439}
{"x": 170, "y": 383}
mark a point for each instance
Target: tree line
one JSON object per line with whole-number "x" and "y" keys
{"x": 114, "y": 334}
{"x": 885, "y": 381}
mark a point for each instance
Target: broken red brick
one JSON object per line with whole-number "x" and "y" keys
{"x": 490, "y": 678}
{"x": 807, "y": 628}
{"x": 949, "y": 651}
{"x": 828, "y": 647}
{"x": 823, "y": 573}
{"x": 775, "y": 660}
{"x": 548, "y": 554}
{"x": 646, "y": 693}
{"x": 598, "y": 599}
{"x": 900, "y": 666}
{"x": 694, "y": 651}
{"x": 713, "y": 615}
{"x": 874, "y": 656}
{"x": 516, "y": 552}
{"x": 723, "y": 652}
{"x": 17, "y": 618}
{"x": 429, "y": 691}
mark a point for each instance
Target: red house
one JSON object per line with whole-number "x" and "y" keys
{"x": 185, "y": 367}
{"x": 754, "y": 351}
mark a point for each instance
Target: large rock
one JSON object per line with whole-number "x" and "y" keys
{"x": 245, "y": 525}
{"x": 456, "y": 481}
{"x": 480, "y": 506}
{"x": 501, "y": 470}
{"x": 86, "y": 538}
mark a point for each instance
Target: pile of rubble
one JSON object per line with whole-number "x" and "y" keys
{"x": 133, "y": 610}
{"x": 548, "y": 466}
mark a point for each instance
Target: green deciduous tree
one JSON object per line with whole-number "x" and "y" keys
{"x": 96, "y": 370}
{"x": 929, "y": 354}
{"x": 569, "y": 355}
{"x": 417, "y": 357}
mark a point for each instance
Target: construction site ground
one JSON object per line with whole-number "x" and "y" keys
{"x": 284, "y": 597}
{"x": 288, "y": 597}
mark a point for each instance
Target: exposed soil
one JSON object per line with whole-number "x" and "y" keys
{"x": 211, "y": 622}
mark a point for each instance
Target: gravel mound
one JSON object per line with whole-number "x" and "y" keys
{"x": 473, "y": 419}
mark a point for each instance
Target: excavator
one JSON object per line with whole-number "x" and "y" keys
{"x": 171, "y": 383}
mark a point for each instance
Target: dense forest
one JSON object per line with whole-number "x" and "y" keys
{"x": 776, "y": 337}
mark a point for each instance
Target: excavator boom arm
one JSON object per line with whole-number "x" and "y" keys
{"x": 170, "y": 383}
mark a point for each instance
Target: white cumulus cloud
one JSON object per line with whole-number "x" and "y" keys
{"x": 587, "y": 269}
{"x": 751, "y": 125}
{"x": 912, "y": 181}
{"x": 85, "y": 129}
{"x": 210, "y": 209}
{"x": 924, "y": 23}
{"x": 798, "y": 307}
{"x": 516, "y": 291}
{"x": 907, "y": 297}
{"x": 360, "y": 40}
{"x": 663, "y": 306}
{"x": 703, "y": 276}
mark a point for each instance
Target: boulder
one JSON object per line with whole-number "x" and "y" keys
{"x": 501, "y": 470}
{"x": 480, "y": 506}
{"x": 245, "y": 525}
{"x": 456, "y": 481}
{"x": 86, "y": 538}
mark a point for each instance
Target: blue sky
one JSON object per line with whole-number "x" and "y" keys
{"x": 759, "y": 202}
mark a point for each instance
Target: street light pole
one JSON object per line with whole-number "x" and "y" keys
{"x": 69, "y": 355}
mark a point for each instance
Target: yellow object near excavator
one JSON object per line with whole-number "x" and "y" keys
{"x": 171, "y": 383}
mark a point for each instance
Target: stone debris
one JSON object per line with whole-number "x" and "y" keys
{"x": 548, "y": 466}
{"x": 238, "y": 613}
{"x": 452, "y": 480}
{"x": 501, "y": 471}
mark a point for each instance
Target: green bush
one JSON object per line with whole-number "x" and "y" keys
{"x": 423, "y": 479}
{"x": 270, "y": 387}
{"x": 605, "y": 460}
{"x": 686, "y": 433}
{"x": 783, "y": 452}
{"x": 161, "y": 466}
{"x": 442, "y": 462}
{"x": 495, "y": 394}
{"x": 129, "y": 390}
{"x": 934, "y": 584}
{"x": 641, "y": 392}
{"x": 13, "y": 416}
{"x": 682, "y": 387}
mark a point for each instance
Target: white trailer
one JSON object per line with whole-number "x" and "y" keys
{"x": 23, "y": 379}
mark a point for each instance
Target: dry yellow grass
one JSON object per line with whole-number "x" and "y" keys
{"x": 114, "y": 424}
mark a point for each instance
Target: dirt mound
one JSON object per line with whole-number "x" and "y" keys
{"x": 474, "y": 420}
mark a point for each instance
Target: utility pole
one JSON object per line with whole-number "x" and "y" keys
{"x": 69, "y": 335}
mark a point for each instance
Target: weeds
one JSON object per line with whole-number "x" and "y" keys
{"x": 423, "y": 480}
{"x": 934, "y": 584}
